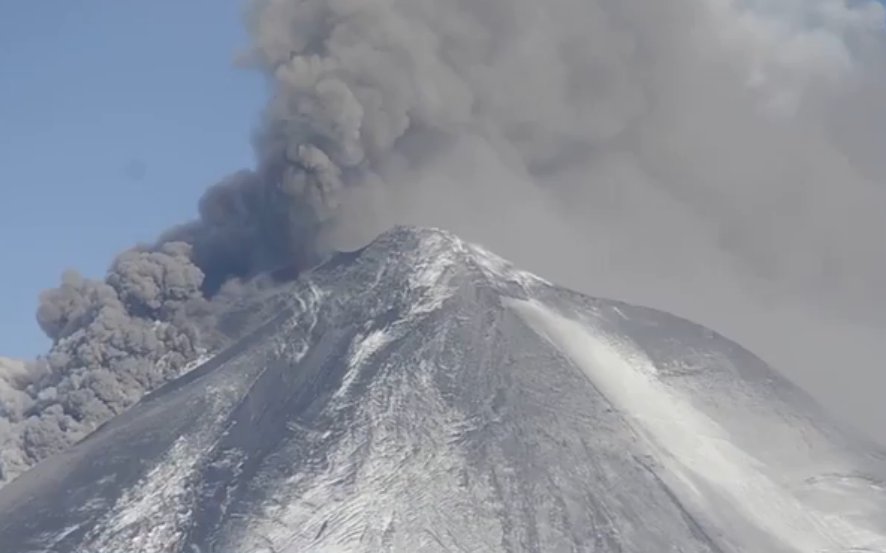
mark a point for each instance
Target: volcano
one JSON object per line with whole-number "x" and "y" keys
{"x": 424, "y": 395}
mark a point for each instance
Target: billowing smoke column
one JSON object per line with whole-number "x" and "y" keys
{"x": 695, "y": 155}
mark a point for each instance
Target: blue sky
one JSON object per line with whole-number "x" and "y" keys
{"x": 114, "y": 116}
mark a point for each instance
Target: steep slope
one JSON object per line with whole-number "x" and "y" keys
{"x": 423, "y": 395}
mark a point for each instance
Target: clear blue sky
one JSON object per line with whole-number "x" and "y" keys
{"x": 114, "y": 116}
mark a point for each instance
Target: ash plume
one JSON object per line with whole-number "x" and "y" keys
{"x": 716, "y": 159}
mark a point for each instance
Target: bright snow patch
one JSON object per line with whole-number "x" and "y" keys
{"x": 366, "y": 345}
{"x": 693, "y": 447}
{"x": 496, "y": 267}
{"x": 429, "y": 274}
{"x": 362, "y": 349}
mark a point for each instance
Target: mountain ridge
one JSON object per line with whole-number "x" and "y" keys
{"x": 419, "y": 395}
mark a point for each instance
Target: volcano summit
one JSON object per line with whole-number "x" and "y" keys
{"x": 422, "y": 394}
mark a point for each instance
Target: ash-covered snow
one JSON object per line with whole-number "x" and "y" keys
{"x": 699, "y": 452}
{"x": 500, "y": 270}
{"x": 152, "y": 516}
{"x": 430, "y": 274}
{"x": 424, "y": 395}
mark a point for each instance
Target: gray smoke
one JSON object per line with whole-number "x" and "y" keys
{"x": 112, "y": 342}
{"x": 718, "y": 159}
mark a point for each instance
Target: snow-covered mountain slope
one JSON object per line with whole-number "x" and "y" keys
{"x": 422, "y": 395}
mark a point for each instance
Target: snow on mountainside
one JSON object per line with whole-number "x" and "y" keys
{"x": 424, "y": 395}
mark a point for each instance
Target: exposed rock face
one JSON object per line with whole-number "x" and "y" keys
{"x": 423, "y": 395}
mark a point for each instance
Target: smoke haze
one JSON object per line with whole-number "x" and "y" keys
{"x": 718, "y": 159}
